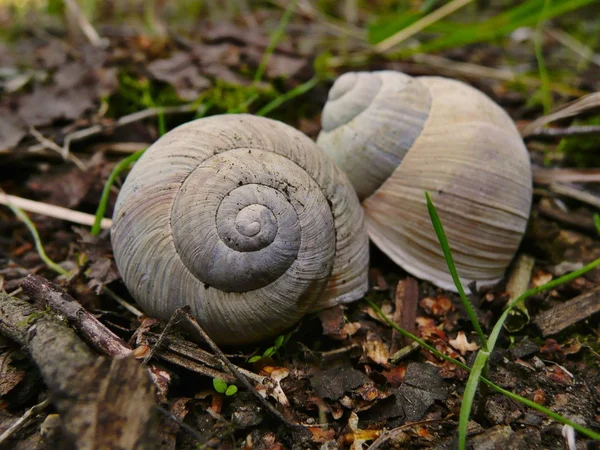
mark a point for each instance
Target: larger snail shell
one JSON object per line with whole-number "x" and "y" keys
{"x": 397, "y": 136}
{"x": 244, "y": 219}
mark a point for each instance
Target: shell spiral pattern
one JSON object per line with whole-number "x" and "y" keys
{"x": 432, "y": 134}
{"x": 243, "y": 219}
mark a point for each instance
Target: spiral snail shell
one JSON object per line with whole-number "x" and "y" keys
{"x": 244, "y": 219}
{"x": 397, "y": 136}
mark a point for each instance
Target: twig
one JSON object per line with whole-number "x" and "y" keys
{"x": 174, "y": 320}
{"x": 476, "y": 71}
{"x": 126, "y": 120}
{"x": 420, "y": 24}
{"x": 20, "y": 422}
{"x": 92, "y": 330}
{"x": 574, "y": 130}
{"x": 576, "y": 46}
{"x": 47, "y": 143}
{"x": 86, "y": 27}
{"x": 577, "y": 107}
{"x": 191, "y": 319}
{"x": 194, "y": 366}
{"x": 549, "y": 176}
{"x": 566, "y": 314}
{"x": 189, "y": 351}
{"x": 57, "y": 212}
{"x": 577, "y": 194}
{"x": 405, "y": 313}
{"x": 185, "y": 426}
{"x": 129, "y": 307}
{"x": 387, "y": 435}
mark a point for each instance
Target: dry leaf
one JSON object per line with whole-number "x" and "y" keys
{"x": 462, "y": 344}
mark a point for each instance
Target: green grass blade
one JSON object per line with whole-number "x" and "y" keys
{"x": 293, "y": 93}
{"x": 495, "y": 387}
{"x": 275, "y": 38}
{"x": 441, "y": 235}
{"x": 469, "y": 395}
{"x": 120, "y": 167}
{"x": 524, "y": 14}
{"x": 533, "y": 291}
{"x": 36, "y": 237}
{"x": 539, "y": 55}
{"x": 597, "y": 222}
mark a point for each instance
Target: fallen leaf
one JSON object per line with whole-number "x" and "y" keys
{"x": 181, "y": 74}
{"x": 10, "y": 376}
{"x": 334, "y": 383}
{"x": 461, "y": 343}
{"x": 376, "y": 349}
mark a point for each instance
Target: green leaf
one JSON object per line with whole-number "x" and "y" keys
{"x": 231, "y": 390}
{"x": 219, "y": 385}
{"x": 255, "y": 358}
{"x": 269, "y": 351}
{"x": 279, "y": 342}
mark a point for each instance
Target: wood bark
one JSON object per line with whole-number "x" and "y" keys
{"x": 103, "y": 404}
{"x": 566, "y": 314}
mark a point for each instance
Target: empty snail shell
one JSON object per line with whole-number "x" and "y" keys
{"x": 397, "y": 136}
{"x": 244, "y": 219}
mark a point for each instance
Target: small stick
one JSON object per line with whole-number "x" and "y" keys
{"x": 57, "y": 212}
{"x": 549, "y": 176}
{"x": 86, "y": 27}
{"x": 126, "y": 120}
{"x": 174, "y": 320}
{"x": 577, "y": 194}
{"x": 47, "y": 143}
{"x": 405, "y": 314}
{"x": 185, "y": 426}
{"x": 565, "y": 314}
{"x": 573, "y": 130}
{"x": 20, "y": 422}
{"x": 186, "y": 312}
{"x": 91, "y": 328}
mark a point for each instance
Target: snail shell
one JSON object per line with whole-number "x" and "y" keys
{"x": 397, "y": 136}
{"x": 244, "y": 219}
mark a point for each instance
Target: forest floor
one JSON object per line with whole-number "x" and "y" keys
{"x": 79, "y": 96}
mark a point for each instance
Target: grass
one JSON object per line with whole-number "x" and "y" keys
{"x": 480, "y": 366}
{"x": 38, "y": 242}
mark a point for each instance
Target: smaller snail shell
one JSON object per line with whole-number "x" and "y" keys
{"x": 244, "y": 219}
{"x": 397, "y": 136}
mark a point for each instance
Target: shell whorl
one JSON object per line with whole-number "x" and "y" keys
{"x": 467, "y": 154}
{"x": 379, "y": 115}
{"x": 243, "y": 219}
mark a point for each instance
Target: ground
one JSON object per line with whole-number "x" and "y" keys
{"x": 85, "y": 87}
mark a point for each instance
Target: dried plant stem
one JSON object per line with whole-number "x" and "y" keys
{"x": 57, "y": 212}
{"x": 215, "y": 348}
{"x": 22, "y": 421}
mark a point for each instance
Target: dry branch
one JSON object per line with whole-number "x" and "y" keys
{"x": 96, "y": 334}
{"x": 566, "y": 314}
{"x": 103, "y": 403}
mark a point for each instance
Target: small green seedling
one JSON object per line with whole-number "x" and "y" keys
{"x": 279, "y": 342}
{"x": 223, "y": 388}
